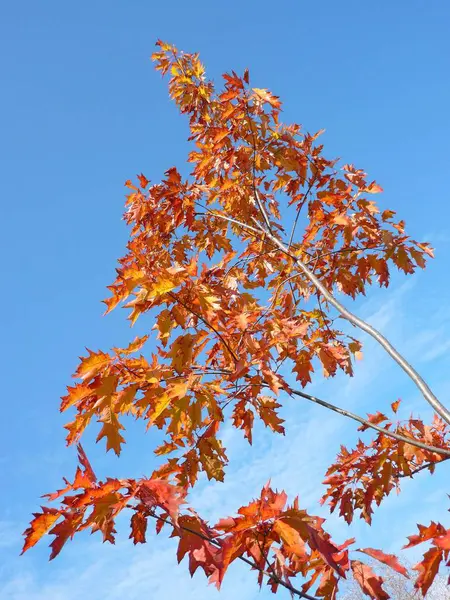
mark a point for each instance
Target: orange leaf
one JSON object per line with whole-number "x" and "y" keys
{"x": 443, "y": 542}
{"x": 395, "y": 406}
{"x": 138, "y": 528}
{"x": 92, "y": 365}
{"x": 134, "y": 346}
{"x": 39, "y": 526}
{"x": 266, "y": 96}
{"x": 111, "y": 430}
{"x": 428, "y": 569}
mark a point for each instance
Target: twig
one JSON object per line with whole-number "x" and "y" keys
{"x": 291, "y": 237}
{"x": 421, "y": 468}
{"x": 387, "y": 432}
{"x": 262, "y": 210}
{"x": 355, "y": 417}
{"x": 230, "y": 220}
{"x": 342, "y": 250}
{"x": 441, "y": 410}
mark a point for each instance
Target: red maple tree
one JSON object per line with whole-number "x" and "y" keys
{"x": 240, "y": 267}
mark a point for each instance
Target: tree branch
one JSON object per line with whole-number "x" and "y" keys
{"x": 442, "y": 411}
{"x": 392, "y": 434}
{"x": 355, "y": 417}
{"x": 261, "y": 208}
{"x": 230, "y": 220}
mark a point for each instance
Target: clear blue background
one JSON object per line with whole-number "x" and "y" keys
{"x": 82, "y": 110}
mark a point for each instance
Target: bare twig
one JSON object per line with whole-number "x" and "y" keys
{"x": 262, "y": 210}
{"x": 230, "y": 220}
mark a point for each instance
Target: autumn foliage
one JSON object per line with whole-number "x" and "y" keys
{"x": 239, "y": 268}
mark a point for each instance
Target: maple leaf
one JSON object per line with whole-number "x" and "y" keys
{"x": 75, "y": 393}
{"x": 395, "y": 405}
{"x": 194, "y": 534}
{"x": 328, "y": 585}
{"x": 433, "y": 530}
{"x": 162, "y": 286}
{"x": 288, "y": 534}
{"x": 158, "y": 492}
{"x": 134, "y": 346}
{"x": 88, "y": 471}
{"x": 443, "y": 542}
{"x": 374, "y": 188}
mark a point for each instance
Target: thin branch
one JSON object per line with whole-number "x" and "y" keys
{"x": 441, "y": 410}
{"x": 355, "y": 417}
{"x": 422, "y": 468}
{"x": 262, "y": 210}
{"x": 342, "y": 250}
{"x": 288, "y": 586}
{"x": 271, "y": 568}
{"x": 230, "y": 220}
{"x": 291, "y": 237}
{"x": 387, "y": 432}
{"x": 207, "y": 323}
{"x": 268, "y": 309}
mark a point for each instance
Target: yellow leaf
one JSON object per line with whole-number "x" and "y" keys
{"x": 341, "y": 220}
{"x": 289, "y": 535}
{"x": 161, "y": 404}
{"x": 75, "y": 394}
{"x": 178, "y": 390}
{"x": 135, "y": 345}
{"x": 92, "y": 365}
{"x": 111, "y": 430}
{"x": 162, "y": 286}
{"x": 266, "y": 96}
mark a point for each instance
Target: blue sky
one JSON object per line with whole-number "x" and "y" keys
{"x": 82, "y": 111}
